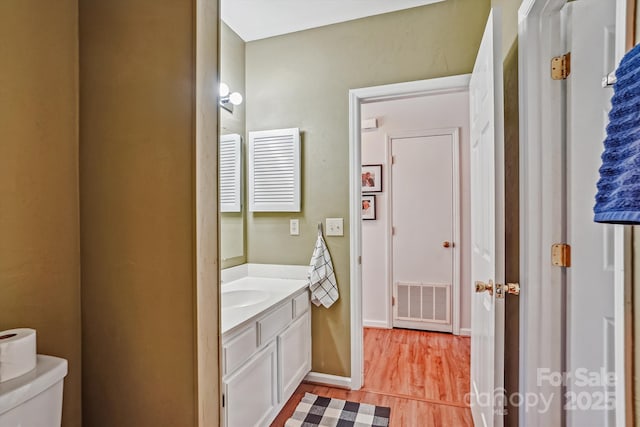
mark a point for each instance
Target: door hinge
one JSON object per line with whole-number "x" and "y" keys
{"x": 393, "y": 160}
{"x": 223, "y": 400}
{"x": 561, "y": 66}
{"x": 561, "y": 255}
{"x": 393, "y": 301}
{"x": 360, "y": 260}
{"x": 393, "y": 231}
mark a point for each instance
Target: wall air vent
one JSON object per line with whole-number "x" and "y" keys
{"x": 230, "y": 171}
{"x": 274, "y": 170}
{"x": 423, "y": 302}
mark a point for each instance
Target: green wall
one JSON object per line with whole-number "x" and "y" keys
{"x": 302, "y": 80}
{"x": 232, "y": 72}
{"x": 147, "y": 102}
{"x": 39, "y": 211}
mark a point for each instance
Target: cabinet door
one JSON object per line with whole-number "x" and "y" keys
{"x": 294, "y": 355}
{"x": 252, "y": 392}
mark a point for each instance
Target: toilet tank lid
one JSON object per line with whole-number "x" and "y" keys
{"x": 48, "y": 371}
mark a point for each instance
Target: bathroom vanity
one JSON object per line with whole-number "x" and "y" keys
{"x": 266, "y": 342}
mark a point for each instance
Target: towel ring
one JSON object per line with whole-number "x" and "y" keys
{"x": 320, "y": 228}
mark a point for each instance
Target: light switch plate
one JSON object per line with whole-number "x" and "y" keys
{"x": 294, "y": 227}
{"x": 335, "y": 227}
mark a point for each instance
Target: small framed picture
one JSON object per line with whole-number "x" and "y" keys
{"x": 371, "y": 178}
{"x": 369, "y": 206}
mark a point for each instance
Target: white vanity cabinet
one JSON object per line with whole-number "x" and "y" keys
{"x": 264, "y": 361}
{"x": 251, "y": 393}
{"x": 294, "y": 358}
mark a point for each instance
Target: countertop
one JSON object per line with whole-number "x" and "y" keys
{"x": 278, "y": 290}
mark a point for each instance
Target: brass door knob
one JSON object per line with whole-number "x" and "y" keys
{"x": 513, "y": 288}
{"x": 447, "y": 244}
{"x": 482, "y": 287}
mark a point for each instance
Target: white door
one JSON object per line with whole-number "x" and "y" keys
{"x": 424, "y": 207}
{"x": 590, "y": 286}
{"x": 487, "y": 229}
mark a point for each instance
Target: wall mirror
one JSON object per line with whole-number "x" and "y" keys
{"x": 231, "y": 151}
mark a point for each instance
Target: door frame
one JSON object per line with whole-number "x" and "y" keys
{"x": 455, "y": 236}
{"x": 542, "y": 309}
{"x": 357, "y": 97}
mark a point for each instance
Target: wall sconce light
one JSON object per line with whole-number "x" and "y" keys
{"x": 228, "y": 100}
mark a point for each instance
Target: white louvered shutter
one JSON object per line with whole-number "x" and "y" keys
{"x": 274, "y": 170}
{"x": 230, "y": 173}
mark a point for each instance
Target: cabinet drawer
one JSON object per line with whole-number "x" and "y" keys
{"x": 300, "y": 304}
{"x": 273, "y": 323}
{"x": 239, "y": 349}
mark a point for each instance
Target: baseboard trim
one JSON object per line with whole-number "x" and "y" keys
{"x": 379, "y": 324}
{"x": 326, "y": 379}
{"x": 465, "y": 332}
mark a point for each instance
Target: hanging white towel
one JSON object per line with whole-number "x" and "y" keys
{"x": 322, "y": 280}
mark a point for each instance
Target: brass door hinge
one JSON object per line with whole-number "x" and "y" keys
{"x": 561, "y": 66}
{"x": 561, "y": 255}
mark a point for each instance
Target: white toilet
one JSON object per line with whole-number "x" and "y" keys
{"x": 35, "y": 398}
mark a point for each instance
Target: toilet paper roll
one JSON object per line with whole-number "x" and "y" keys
{"x": 17, "y": 353}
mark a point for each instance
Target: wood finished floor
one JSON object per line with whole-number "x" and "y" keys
{"x": 422, "y": 376}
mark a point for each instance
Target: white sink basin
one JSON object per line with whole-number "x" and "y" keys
{"x": 243, "y": 298}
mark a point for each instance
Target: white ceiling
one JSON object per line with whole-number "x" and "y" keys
{"x": 259, "y": 19}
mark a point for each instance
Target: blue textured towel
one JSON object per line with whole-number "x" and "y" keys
{"x": 618, "y": 197}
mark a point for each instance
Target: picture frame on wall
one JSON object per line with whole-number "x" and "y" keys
{"x": 368, "y": 207}
{"x": 371, "y": 178}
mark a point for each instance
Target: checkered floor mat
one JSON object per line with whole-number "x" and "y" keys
{"x": 321, "y": 411}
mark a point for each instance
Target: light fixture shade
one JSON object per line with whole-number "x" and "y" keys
{"x": 235, "y": 98}
{"x": 224, "y": 89}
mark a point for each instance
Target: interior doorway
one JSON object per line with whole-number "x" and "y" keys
{"x": 379, "y": 313}
{"x": 414, "y": 254}
{"x": 416, "y": 147}
{"x": 484, "y": 119}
